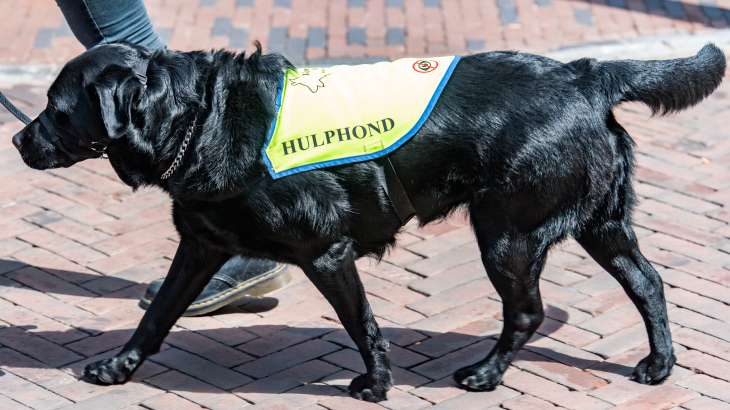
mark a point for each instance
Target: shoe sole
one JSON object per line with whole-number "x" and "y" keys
{"x": 255, "y": 287}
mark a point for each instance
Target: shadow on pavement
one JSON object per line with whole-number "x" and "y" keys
{"x": 221, "y": 359}
{"x": 230, "y": 372}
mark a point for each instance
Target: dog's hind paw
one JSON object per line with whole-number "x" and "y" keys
{"x": 478, "y": 378}
{"x": 364, "y": 388}
{"x": 115, "y": 370}
{"x": 653, "y": 369}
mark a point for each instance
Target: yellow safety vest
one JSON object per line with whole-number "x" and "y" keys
{"x": 344, "y": 114}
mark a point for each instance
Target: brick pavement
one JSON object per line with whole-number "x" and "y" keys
{"x": 77, "y": 248}
{"x": 328, "y": 31}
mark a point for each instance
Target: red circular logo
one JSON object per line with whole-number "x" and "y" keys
{"x": 425, "y": 66}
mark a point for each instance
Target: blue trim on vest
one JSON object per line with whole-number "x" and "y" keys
{"x": 357, "y": 158}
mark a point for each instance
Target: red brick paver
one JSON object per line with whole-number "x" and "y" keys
{"x": 79, "y": 247}
{"x": 328, "y": 31}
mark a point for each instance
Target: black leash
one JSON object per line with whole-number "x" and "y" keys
{"x": 14, "y": 110}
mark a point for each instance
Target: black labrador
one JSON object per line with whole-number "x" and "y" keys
{"x": 530, "y": 146}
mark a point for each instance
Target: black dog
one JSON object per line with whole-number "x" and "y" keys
{"x": 528, "y": 144}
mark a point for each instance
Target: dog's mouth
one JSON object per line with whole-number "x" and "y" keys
{"x": 72, "y": 145}
{"x": 47, "y": 163}
{"x": 44, "y": 145}
{"x": 37, "y": 149}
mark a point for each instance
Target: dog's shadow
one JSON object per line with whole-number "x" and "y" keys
{"x": 341, "y": 361}
{"x": 418, "y": 357}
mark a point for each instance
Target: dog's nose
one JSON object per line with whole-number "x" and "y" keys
{"x": 16, "y": 139}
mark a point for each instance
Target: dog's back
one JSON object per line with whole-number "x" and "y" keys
{"x": 525, "y": 130}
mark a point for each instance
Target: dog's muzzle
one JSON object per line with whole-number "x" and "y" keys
{"x": 77, "y": 149}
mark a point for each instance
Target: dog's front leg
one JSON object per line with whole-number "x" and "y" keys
{"x": 193, "y": 266}
{"x": 335, "y": 275}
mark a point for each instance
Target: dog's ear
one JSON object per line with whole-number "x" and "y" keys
{"x": 117, "y": 90}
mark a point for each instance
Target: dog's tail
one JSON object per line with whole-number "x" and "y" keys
{"x": 665, "y": 86}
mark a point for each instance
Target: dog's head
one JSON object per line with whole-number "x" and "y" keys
{"x": 104, "y": 102}
{"x": 90, "y": 105}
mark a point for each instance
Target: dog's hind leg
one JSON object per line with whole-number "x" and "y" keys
{"x": 193, "y": 266}
{"x": 335, "y": 275}
{"x": 513, "y": 262}
{"x": 613, "y": 245}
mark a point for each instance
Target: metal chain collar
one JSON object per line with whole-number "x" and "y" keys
{"x": 180, "y": 153}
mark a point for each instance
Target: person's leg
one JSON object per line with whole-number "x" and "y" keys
{"x": 239, "y": 277}
{"x": 96, "y": 22}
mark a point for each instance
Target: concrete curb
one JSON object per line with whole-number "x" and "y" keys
{"x": 645, "y": 48}
{"x": 28, "y": 74}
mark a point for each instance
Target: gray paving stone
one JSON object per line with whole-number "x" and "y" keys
{"x": 584, "y": 17}
{"x": 277, "y": 39}
{"x": 395, "y": 36}
{"x": 43, "y": 218}
{"x": 44, "y": 38}
{"x": 475, "y": 46}
{"x": 317, "y": 37}
{"x": 165, "y": 33}
{"x": 620, "y": 4}
{"x": 507, "y": 12}
{"x": 674, "y": 9}
{"x": 239, "y": 38}
{"x": 356, "y": 36}
{"x": 295, "y": 49}
{"x": 221, "y": 26}
{"x": 64, "y": 30}
{"x": 711, "y": 10}
{"x": 654, "y": 4}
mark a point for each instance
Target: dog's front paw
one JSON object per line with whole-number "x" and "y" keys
{"x": 653, "y": 369}
{"x": 478, "y": 378}
{"x": 373, "y": 389}
{"x": 115, "y": 370}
